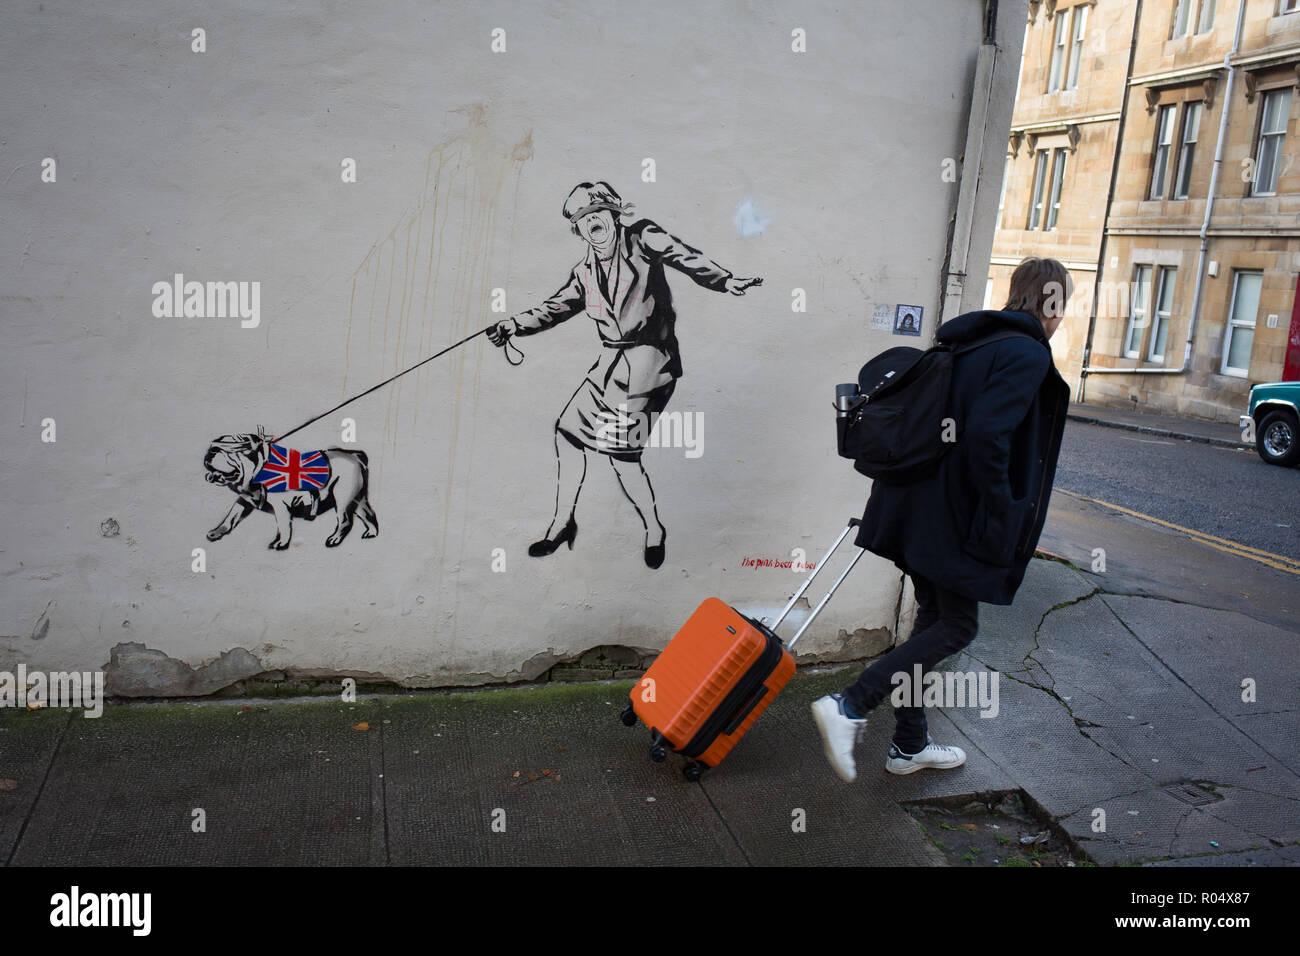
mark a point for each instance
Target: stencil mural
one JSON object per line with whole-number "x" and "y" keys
{"x": 268, "y": 476}
{"x": 621, "y": 286}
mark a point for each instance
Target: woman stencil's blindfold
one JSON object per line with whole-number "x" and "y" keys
{"x": 592, "y": 197}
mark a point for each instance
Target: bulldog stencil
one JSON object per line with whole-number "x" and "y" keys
{"x": 290, "y": 484}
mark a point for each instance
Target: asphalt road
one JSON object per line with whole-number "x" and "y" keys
{"x": 1183, "y": 520}
{"x": 1219, "y": 491}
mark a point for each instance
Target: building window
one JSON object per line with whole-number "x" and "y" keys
{"x": 1138, "y": 314}
{"x": 1164, "y": 301}
{"x": 1036, "y": 200}
{"x": 1054, "y": 198}
{"x": 1191, "y": 12}
{"x": 1205, "y": 22}
{"x": 1076, "y": 46}
{"x": 1241, "y": 323}
{"x": 1067, "y": 48}
{"x": 1164, "y": 143}
{"x": 1045, "y": 201}
{"x": 1187, "y": 150}
{"x": 1275, "y": 111}
{"x": 1059, "y": 53}
{"x": 1287, "y": 6}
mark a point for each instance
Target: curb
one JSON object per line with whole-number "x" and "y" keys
{"x": 1149, "y": 430}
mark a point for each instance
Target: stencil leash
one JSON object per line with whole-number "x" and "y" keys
{"x": 506, "y": 347}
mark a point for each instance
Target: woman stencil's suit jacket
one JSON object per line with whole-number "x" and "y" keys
{"x": 636, "y": 320}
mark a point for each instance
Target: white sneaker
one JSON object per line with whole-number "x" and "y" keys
{"x": 839, "y": 734}
{"x": 933, "y": 755}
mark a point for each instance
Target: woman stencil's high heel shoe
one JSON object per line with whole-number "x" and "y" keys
{"x": 654, "y": 556}
{"x": 540, "y": 549}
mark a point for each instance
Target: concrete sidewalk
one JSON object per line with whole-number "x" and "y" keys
{"x": 1171, "y": 426}
{"x": 1126, "y": 705}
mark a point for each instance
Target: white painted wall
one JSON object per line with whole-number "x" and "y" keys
{"x": 225, "y": 165}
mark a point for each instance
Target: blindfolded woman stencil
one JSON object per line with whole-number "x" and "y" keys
{"x": 621, "y": 286}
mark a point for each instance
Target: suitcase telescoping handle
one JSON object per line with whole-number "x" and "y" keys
{"x": 853, "y": 523}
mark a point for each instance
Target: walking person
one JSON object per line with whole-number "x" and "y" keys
{"x": 966, "y": 532}
{"x": 620, "y": 284}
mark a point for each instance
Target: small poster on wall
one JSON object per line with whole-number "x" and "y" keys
{"x": 907, "y": 320}
{"x": 882, "y": 320}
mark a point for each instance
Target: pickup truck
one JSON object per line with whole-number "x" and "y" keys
{"x": 1273, "y": 416}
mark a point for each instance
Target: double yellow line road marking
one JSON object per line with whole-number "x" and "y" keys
{"x": 1281, "y": 562}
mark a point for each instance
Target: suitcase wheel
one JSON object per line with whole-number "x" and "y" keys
{"x": 657, "y": 753}
{"x": 692, "y": 771}
{"x": 628, "y": 716}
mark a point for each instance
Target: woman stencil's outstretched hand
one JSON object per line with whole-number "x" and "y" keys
{"x": 738, "y": 286}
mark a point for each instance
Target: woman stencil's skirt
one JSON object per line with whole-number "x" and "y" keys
{"x": 607, "y": 418}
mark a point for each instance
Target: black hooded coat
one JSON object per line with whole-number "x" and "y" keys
{"x": 972, "y": 525}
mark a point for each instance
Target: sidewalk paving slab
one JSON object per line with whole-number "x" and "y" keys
{"x": 780, "y": 767}
{"x": 575, "y": 786}
{"x": 1173, "y": 426}
{"x": 28, "y": 741}
{"x": 1285, "y": 856}
{"x": 122, "y": 789}
{"x": 1150, "y": 729}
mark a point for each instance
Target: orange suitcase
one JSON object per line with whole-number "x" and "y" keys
{"x": 716, "y": 676}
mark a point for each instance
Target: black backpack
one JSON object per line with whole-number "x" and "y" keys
{"x": 898, "y": 428}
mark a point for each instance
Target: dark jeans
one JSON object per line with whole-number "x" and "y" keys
{"x": 945, "y": 623}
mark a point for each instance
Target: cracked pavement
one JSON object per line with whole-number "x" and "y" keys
{"x": 1124, "y": 711}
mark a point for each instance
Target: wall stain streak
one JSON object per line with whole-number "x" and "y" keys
{"x": 450, "y": 229}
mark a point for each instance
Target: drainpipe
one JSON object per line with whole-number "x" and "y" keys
{"x": 1110, "y": 198}
{"x": 1205, "y": 227}
{"x": 972, "y": 166}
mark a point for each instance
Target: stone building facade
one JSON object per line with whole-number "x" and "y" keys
{"x": 1130, "y": 117}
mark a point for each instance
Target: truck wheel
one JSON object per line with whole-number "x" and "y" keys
{"x": 1278, "y": 438}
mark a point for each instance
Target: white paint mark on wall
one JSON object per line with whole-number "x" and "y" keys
{"x": 750, "y": 221}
